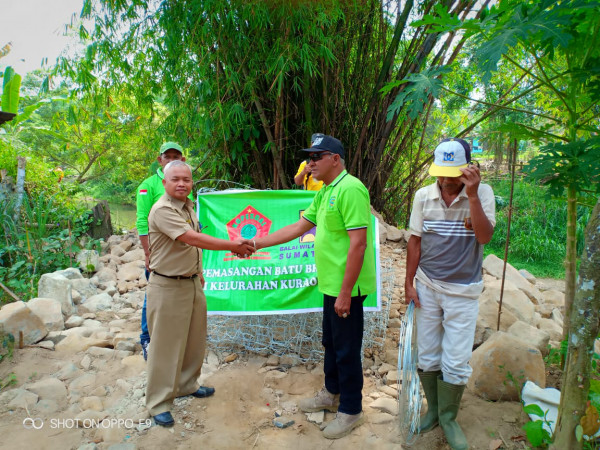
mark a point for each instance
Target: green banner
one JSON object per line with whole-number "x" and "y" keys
{"x": 276, "y": 280}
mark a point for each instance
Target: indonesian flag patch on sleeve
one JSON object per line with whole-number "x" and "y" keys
{"x": 143, "y": 191}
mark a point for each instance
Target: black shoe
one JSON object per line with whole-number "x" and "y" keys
{"x": 164, "y": 419}
{"x": 203, "y": 391}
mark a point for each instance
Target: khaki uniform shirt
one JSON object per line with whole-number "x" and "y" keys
{"x": 169, "y": 218}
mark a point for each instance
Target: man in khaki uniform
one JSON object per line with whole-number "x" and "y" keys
{"x": 176, "y": 301}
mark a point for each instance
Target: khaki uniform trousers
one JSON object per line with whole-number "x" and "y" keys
{"x": 176, "y": 312}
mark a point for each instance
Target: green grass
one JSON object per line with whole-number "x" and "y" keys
{"x": 538, "y": 228}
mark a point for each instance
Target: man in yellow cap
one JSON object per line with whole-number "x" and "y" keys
{"x": 147, "y": 195}
{"x": 451, "y": 220}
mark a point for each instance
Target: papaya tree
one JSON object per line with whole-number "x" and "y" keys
{"x": 558, "y": 47}
{"x": 553, "y": 50}
{"x": 553, "y": 46}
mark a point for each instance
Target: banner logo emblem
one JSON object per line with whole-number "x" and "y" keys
{"x": 249, "y": 224}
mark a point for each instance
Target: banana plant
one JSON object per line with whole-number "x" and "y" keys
{"x": 11, "y": 86}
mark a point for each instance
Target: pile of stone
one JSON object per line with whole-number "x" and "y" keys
{"x": 63, "y": 315}
{"x": 531, "y": 322}
{"x": 91, "y": 315}
{"x": 93, "y": 321}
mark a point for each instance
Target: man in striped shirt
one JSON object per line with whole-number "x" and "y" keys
{"x": 451, "y": 220}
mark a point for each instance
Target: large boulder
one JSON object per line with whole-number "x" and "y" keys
{"x": 133, "y": 255}
{"x": 528, "y": 276}
{"x": 394, "y": 234}
{"x": 513, "y": 299}
{"x": 100, "y": 302}
{"x": 73, "y": 322}
{"x": 88, "y": 260}
{"x": 75, "y": 343}
{"x": 494, "y": 266}
{"x": 557, "y": 316}
{"x": 57, "y": 286}
{"x": 107, "y": 274}
{"x": 85, "y": 287}
{"x": 117, "y": 250}
{"x": 17, "y": 317}
{"x": 555, "y": 298}
{"x": 133, "y": 299}
{"x": 544, "y": 310}
{"x": 487, "y": 320}
{"x": 126, "y": 244}
{"x": 131, "y": 271}
{"x": 530, "y": 335}
{"x": 50, "y": 389}
{"x": 502, "y": 364}
{"x": 72, "y": 273}
{"x": 552, "y": 328}
{"x": 49, "y": 310}
{"x": 382, "y": 233}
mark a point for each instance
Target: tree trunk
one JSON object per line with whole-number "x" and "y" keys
{"x": 571, "y": 256}
{"x": 20, "y": 190}
{"x": 498, "y": 154}
{"x": 101, "y": 226}
{"x": 583, "y": 328}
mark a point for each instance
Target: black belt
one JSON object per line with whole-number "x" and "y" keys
{"x": 176, "y": 277}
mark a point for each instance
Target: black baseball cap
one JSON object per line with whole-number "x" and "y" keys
{"x": 325, "y": 143}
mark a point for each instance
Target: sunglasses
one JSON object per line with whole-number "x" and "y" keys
{"x": 319, "y": 156}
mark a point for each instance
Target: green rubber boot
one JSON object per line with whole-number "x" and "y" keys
{"x": 429, "y": 382}
{"x": 449, "y": 396}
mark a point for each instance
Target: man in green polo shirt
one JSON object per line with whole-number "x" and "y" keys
{"x": 147, "y": 195}
{"x": 346, "y": 273}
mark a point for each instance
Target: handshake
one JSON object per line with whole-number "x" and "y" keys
{"x": 244, "y": 247}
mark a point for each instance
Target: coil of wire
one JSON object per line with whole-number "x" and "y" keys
{"x": 409, "y": 397}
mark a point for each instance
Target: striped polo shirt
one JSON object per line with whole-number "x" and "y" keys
{"x": 450, "y": 253}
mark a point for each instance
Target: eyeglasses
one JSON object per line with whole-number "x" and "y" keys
{"x": 318, "y": 156}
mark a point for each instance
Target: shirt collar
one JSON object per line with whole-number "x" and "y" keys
{"x": 436, "y": 192}
{"x": 178, "y": 203}
{"x": 342, "y": 174}
{"x": 160, "y": 173}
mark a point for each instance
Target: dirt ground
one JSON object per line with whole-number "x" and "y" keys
{"x": 240, "y": 415}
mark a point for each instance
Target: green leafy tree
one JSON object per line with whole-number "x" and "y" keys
{"x": 553, "y": 47}
{"x": 559, "y": 41}
{"x": 247, "y": 83}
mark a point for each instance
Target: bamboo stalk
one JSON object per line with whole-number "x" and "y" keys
{"x": 9, "y": 292}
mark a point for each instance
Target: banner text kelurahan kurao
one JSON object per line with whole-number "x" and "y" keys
{"x": 247, "y": 285}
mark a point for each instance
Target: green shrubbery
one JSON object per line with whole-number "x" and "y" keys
{"x": 538, "y": 228}
{"x": 42, "y": 237}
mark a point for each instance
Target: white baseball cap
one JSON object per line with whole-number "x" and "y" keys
{"x": 449, "y": 157}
